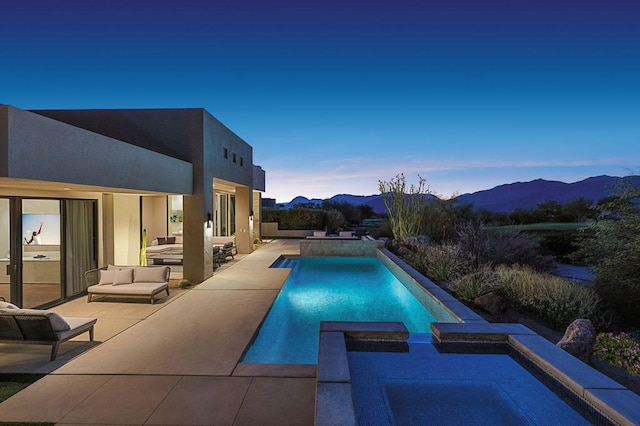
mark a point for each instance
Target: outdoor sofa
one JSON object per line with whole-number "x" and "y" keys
{"x": 163, "y": 249}
{"x": 172, "y": 246}
{"x": 130, "y": 281}
{"x": 35, "y": 326}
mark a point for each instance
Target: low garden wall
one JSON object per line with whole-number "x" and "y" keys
{"x": 270, "y": 230}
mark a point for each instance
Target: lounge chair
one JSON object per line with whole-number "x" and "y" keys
{"x": 37, "y": 326}
{"x": 128, "y": 281}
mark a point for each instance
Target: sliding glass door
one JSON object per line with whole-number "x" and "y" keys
{"x": 5, "y": 250}
{"x": 41, "y": 259}
{"x": 46, "y": 246}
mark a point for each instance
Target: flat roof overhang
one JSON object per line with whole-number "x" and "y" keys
{"x": 39, "y": 149}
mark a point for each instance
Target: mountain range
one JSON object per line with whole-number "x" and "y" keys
{"x": 508, "y": 197}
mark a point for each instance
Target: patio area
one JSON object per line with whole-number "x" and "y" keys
{"x": 172, "y": 363}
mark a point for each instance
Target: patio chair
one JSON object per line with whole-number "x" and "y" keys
{"x": 227, "y": 250}
{"x": 218, "y": 256}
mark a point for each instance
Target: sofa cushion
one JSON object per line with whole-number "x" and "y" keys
{"x": 116, "y": 268}
{"x": 166, "y": 240}
{"x": 7, "y": 305}
{"x": 57, "y": 322}
{"x": 106, "y": 277}
{"x": 149, "y": 274}
{"x": 123, "y": 276}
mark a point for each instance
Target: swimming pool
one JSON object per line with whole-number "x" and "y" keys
{"x": 331, "y": 289}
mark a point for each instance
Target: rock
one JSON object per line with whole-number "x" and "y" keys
{"x": 491, "y": 303}
{"x": 408, "y": 244}
{"x": 579, "y": 339}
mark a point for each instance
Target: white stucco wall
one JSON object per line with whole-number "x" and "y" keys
{"x": 126, "y": 229}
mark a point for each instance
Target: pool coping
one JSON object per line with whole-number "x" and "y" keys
{"x": 334, "y": 404}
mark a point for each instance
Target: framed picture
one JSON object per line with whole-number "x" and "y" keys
{"x": 41, "y": 229}
{"x": 176, "y": 216}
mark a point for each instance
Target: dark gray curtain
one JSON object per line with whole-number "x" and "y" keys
{"x": 80, "y": 243}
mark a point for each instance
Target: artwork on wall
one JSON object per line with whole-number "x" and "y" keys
{"x": 41, "y": 229}
{"x": 176, "y": 216}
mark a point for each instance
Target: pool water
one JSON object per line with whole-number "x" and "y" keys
{"x": 423, "y": 386}
{"x": 331, "y": 289}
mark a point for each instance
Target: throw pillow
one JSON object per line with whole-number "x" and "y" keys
{"x": 7, "y": 305}
{"x": 162, "y": 241}
{"x": 149, "y": 274}
{"x": 123, "y": 276}
{"x": 57, "y": 322}
{"x": 106, "y": 277}
{"x": 171, "y": 240}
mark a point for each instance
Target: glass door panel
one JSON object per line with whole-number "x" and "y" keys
{"x": 40, "y": 252}
{"x": 222, "y": 221}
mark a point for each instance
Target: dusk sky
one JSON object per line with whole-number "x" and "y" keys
{"x": 336, "y": 95}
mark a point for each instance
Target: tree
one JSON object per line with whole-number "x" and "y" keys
{"x": 615, "y": 253}
{"x": 404, "y": 205}
{"x": 334, "y": 220}
{"x": 442, "y": 218}
{"x": 578, "y": 210}
{"x": 366, "y": 211}
{"x": 351, "y": 213}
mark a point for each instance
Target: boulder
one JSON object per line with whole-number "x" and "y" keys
{"x": 579, "y": 339}
{"x": 408, "y": 244}
{"x": 491, "y": 303}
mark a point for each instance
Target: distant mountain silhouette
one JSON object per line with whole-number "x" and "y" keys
{"x": 508, "y": 197}
{"x": 527, "y": 195}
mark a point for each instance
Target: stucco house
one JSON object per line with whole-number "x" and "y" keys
{"x": 78, "y": 187}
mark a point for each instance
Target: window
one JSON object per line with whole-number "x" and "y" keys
{"x": 225, "y": 215}
{"x": 241, "y": 161}
{"x": 226, "y": 153}
{"x": 234, "y": 157}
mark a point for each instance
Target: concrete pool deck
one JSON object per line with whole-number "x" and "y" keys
{"x": 172, "y": 363}
{"x": 178, "y": 362}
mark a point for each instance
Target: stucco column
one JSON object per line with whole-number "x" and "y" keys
{"x": 244, "y": 239}
{"x": 197, "y": 239}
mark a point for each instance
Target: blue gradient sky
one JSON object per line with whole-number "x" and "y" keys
{"x": 335, "y": 95}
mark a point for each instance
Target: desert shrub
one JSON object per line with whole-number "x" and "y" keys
{"x": 472, "y": 239}
{"x": 444, "y": 261}
{"x": 501, "y": 248}
{"x": 620, "y": 350}
{"x": 559, "y": 244}
{"x": 474, "y": 284}
{"x": 514, "y": 249}
{"x": 556, "y": 301}
{"x": 440, "y": 262}
{"x": 419, "y": 260}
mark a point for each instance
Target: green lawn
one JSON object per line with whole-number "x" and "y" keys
{"x": 8, "y": 389}
{"x": 11, "y": 385}
{"x": 540, "y": 227}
